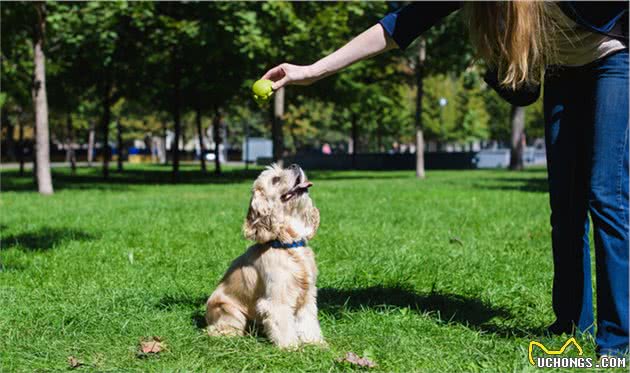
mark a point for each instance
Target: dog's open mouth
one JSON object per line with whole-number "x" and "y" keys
{"x": 300, "y": 187}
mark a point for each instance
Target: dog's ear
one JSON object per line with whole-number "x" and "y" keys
{"x": 259, "y": 224}
{"x": 312, "y": 220}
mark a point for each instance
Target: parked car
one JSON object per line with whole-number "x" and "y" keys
{"x": 500, "y": 158}
{"x": 210, "y": 157}
{"x": 492, "y": 158}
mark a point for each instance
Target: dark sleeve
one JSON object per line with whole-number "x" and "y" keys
{"x": 600, "y": 16}
{"x": 407, "y": 23}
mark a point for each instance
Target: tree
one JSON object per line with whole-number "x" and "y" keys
{"x": 517, "y": 143}
{"x": 438, "y": 44}
{"x": 103, "y": 43}
{"x": 498, "y": 111}
{"x": 277, "y": 126}
{"x": 205, "y": 47}
{"x": 472, "y": 117}
{"x": 40, "y": 103}
{"x": 202, "y": 148}
{"x": 367, "y": 87}
{"x": 17, "y": 72}
{"x": 420, "y": 91}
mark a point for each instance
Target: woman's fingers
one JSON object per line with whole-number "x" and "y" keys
{"x": 275, "y": 73}
{"x": 280, "y": 83}
{"x": 285, "y": 73}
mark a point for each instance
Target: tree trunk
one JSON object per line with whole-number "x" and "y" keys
{"x": 10, "y": 133}
{"x": 119, "y": 145}
{"x": 21, "y": 147}
{"x": 354, "y": 138}
{"x": 217, "y": 121}
{"x": 90, "y": 149}
{"x": 105, "y": 128}
{"x": 379, "y": 137}
{"x": 70, "y": 154}
{"x": 419, "y": 153}
{"x": 164, "y": 143}
{"x": 44, "y": 179}
{"x": 517, "y": 119}
{"x": 182, "y": 137}
{"x": 34, "y": 155}
{"x": 176, "y": 117}
{"x": 419, "y": 136}
{"x": 202, "y": 149}
{"x": 276, "y": 127}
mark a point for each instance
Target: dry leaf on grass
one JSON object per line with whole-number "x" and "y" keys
{"x": 356, "y": 360}
{"x": 74, "y": 362}
{"x": 151, "y": 347}
{"x": 456, "y": 240}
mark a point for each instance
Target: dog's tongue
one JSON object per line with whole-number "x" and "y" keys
{"x": 303, "y": 185}
{"x": 298, "y": 189}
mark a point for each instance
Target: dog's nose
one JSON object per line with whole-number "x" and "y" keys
{"x": 294, "y": 167}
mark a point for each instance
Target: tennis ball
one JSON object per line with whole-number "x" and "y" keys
{"x": 262, "y": 91}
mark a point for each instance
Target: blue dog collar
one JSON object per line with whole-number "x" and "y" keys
{"x": 281, "y": 245}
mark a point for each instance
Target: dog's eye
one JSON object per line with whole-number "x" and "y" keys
{"x": 275, "y": 180}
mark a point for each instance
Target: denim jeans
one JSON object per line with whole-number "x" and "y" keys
{"x": 586, "y": 130}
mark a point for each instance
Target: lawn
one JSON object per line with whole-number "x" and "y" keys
{"x": 452, "y": 273}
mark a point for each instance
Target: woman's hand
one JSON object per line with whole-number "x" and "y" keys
{"x": 287, "y": 73}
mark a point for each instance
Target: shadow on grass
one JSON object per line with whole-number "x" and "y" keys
{"x": 91, "y": 178}
{"x": 524, "y": 181}
{"x": 43, "y": 239}
{"x": 198, "y": 316}
{"x": 10, "y": 266}
{"x": 173, "y": 302}
{"x": 359, "y": 175}
{"x": 452, "y": 308}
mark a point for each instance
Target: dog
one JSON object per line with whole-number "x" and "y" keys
{"x": 273, "y": 282}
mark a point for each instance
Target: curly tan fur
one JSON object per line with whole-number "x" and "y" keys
{"x": 273, "y": 287}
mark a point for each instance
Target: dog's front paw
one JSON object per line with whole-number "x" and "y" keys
{"x": 288, "y": 346}
{"x": 317, "y": 343}
{"x": 215, "y": 331}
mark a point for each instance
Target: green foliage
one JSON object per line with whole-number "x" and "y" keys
{"x": 472, "y": 118}
{"x": 212, "y": 52}
{"x": 439, "y": 121}
{"x": 245, "y": 120}
{"x": 535, "y": 120}
{"x": 16, "y": 60}
{"x": 499, "y": 113}
{"x": 309, "y": 121}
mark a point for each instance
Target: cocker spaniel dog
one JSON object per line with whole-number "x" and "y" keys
{"x": 273, "y": 282}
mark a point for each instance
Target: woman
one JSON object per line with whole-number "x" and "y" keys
{"x": 582, "y": 50}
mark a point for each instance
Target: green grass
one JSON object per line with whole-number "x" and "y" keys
{"x": 452, "y": 273}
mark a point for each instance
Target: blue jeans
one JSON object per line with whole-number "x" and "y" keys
{"x": 586, "y": 130}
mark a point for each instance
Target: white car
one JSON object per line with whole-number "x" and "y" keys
{"x": 210, "y": 157}
{"x": 500, "y": 158}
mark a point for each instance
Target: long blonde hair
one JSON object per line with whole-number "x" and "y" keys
{"x": 513, "y": 37}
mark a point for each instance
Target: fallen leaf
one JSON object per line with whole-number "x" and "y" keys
{"x": 456, "y": 240}
{"x": 152, "y": 346}
{"x": 74, "y": 362}
{"x": 354, "y": 359}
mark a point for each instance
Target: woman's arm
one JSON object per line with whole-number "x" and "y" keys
{"x": 397, "y": 29}
{"x": 371, "y": 42}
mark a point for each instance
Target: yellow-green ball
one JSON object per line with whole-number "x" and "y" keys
{"x": 262, "y": 90}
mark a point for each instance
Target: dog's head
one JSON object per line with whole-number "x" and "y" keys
{"x": 280, "y": 208}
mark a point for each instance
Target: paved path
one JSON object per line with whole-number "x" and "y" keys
{"x": 29, "y": 165}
